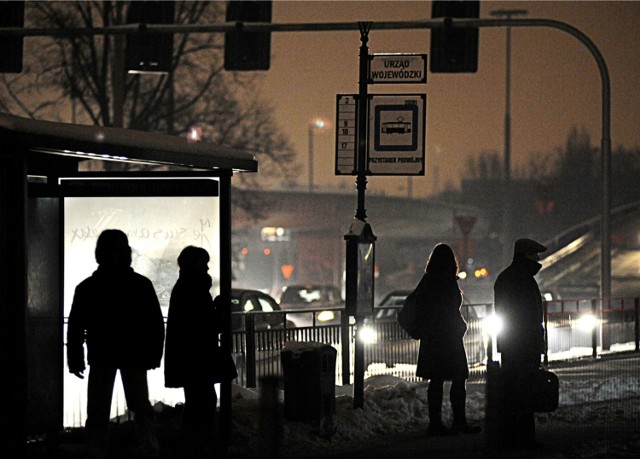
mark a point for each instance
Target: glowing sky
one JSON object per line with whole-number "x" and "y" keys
{"x": 555, "y": 83}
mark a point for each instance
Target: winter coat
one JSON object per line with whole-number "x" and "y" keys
{"x": 192, "y": 351}
{"x": 441, "y": 354}
{"x": 518, "y": 303}
{"x": 117, "y": 313}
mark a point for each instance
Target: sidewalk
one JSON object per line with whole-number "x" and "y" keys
{"x": 598, "y": 417}
{"x": 557, "y": 440}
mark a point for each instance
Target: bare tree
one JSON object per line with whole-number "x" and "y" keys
{"x": 75, "y": 77}
{"x": 487, "y": 165}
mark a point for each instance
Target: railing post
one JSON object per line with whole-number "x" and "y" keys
{"x": 636, "y": 307}
{"x": 490, "y": 341}
{"x": 605, "y": 336}
{"x": 345, "y": 346}
{"x": 250, "y": 349}
{"x": 594, "y": 332}
{"x": 545, "y": 306}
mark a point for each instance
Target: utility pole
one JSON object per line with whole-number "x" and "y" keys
{"x": 117, "y": 70}
{"x": 507, "y": 201}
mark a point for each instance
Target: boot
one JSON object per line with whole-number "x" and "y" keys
{"x": 436, "y": 427}
{"x": 146, "y": 429}
{"x": 458, "y": 398}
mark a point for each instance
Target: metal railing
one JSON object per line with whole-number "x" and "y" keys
{"x": 575, "y": 329}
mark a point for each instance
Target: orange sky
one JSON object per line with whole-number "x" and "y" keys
{"x": 555, "y": 83}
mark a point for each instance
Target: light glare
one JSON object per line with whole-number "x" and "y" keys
{"x": 586, "y": 322}
{"x": 493, "y": 324}
{"x": 367, "y": 335}
{"x": 326, "y": 316}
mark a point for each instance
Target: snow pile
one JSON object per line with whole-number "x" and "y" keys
{"x": 393, "y": 406}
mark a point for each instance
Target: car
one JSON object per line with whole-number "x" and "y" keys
{"x": 247, "y": 300}
{"x": 392, "y": 299}
{"x": 312, "y": 296}
{"x": 385, "y": 341}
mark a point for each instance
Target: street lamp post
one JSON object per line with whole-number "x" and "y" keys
{"x": 506, "y": 224}
{"x": 315, "y": 124}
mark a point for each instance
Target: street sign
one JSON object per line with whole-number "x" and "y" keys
{"x": 466, "y": 223}
{"x": 397, "y": 68}
{"x": 396, "y": 137}
{"x": 346, "y": 135}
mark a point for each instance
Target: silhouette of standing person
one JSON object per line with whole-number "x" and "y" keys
{"x": 116, "y": 312}
{"x": 192, "y": 349}
{"x": 518, "y": 303}
{"x": 441, "y": 356}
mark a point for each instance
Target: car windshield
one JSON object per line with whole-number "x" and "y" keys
{"x": 394, "y": 299}
{"x": 301, "y": 295}
{"x": 308, "y": 294}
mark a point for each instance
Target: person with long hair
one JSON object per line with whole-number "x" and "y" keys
{"x": 442, "y": 356}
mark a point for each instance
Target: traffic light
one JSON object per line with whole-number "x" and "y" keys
{"x": 148, "y": 52}
{"x": 247, "y": 50}
{"x": 11, "y": 15}
{"x": 454, "y": 50}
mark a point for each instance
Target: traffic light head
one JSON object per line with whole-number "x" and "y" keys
{"x": 150, "y": 52}
{"x": 247, "y": 50}
{"x": 11, "y": 15}
{"x": 454, "y": 50}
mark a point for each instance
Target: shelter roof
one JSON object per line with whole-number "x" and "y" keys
{"x": 124, "y": 145}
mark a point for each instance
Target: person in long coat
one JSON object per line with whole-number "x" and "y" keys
{"x": 521, "y": 341}
{"x": 442, "y": 356}
{"x": 192, "y": 353}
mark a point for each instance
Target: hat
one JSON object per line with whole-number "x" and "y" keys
{"x": 527, "y": 246}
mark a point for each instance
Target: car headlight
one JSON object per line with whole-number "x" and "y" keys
{"x": 367, "y": 335}
{"x": 492, "y": 324}
{"x": 586, "y": 322}
{"x": 326, "y": 316}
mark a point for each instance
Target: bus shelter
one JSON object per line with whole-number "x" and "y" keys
{"x": 56, "y": 195}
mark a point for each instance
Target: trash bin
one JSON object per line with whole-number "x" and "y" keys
{"x": 309, "y": 370}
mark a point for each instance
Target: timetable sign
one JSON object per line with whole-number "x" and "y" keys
{"x": 396, "y": 135}
{"x": 346, "y": 134}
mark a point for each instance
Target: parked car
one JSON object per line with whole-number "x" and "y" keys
{"x": 393, "y": 299}
{"x": 247, "y": 300}
{"x": 387, "y": 342}
{"x": 312, "y": 296}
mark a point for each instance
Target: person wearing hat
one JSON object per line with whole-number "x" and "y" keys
{"x": 518, "y": 303}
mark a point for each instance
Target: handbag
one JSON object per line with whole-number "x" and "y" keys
{"x": 411, "y": 316}
{"x": 225, "y": 368}
{"x": 545, "y": 391}
{"x": 408, "y": 316}
{"x": 537, "y": 390}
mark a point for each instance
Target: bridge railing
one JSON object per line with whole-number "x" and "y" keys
{"x": 589, "y": 327}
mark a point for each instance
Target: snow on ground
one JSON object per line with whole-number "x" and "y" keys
{"x": 393, "y": 406}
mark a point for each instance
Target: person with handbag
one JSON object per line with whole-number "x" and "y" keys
{"x": 441, "y": 355}
{"x": 518, "y": 303}
{"x": 193, "y": 358}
